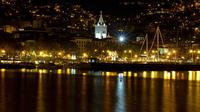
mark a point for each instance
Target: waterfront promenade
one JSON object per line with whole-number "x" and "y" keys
{"x": 140, "y": 66}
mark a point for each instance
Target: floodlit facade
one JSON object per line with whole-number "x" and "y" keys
{"x": 100, "y": 28}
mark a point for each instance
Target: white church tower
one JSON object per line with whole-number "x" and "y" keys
{"x": 100, "y": 28}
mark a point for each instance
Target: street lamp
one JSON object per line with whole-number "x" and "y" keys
{"x": 3, "y": 51}
{"x": 192, "y": 52}
{"x": 174, "y": 52}
{"x": 130, "y": 51}
{"x": 84, "y": 54}
{"x": 59, "y": 53}
{"x": 121, "y": 40}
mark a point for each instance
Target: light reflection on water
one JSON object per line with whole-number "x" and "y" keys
{"x": 73, "y": 90}
{"x": 120, "y": 104}
{"x": 2, "y": 92}
{"x": 170, "y": 75}
{"x": 40, "y": 94}
{"x": 167, "y": 75}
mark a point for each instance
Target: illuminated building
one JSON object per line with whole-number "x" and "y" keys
{"x": 85, "y": 44}
{"x": 82, "y": 43}
{"x": 9, "y": 28}
{"x": 100, "y": 28}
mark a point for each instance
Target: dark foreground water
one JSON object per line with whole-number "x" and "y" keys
{"x": 72, "y": 90}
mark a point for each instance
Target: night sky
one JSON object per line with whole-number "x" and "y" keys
{"x": 107, "y": 5}
{"x": 111, "y": 7}
{"x": 100, "y": 4}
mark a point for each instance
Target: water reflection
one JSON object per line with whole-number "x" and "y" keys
{"x": 120, "y": 93}
{"x": 2, "y": 92}
{"x": 83, "y": 92}
{"x": 102, "y": 91}
{"x": 59, "y": 91}
{"x": 167, "y": 75}
{"x": 40, "y": 94}
{"x": 193, "y": 97}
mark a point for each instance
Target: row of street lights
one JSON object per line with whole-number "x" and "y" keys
{"x": 114, "y": 55}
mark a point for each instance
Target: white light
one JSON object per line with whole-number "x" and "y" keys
{"x": 21, "y": 29}
{"x": 121, "y": 38}
{"x": 98, "y": 35}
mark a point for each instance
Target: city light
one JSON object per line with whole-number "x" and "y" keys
{"x": 68, "y": 55}
{"x": 3, "y": 51}
{"x": 121, "y": 38}
{"x": 85, "y": 55}
{"x": 60, "y": 53}
{"x": 85, "y": 45}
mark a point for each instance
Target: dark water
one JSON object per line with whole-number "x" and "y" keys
{"x": 77, "y": 91}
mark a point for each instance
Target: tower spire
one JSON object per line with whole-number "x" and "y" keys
{"x": 101, "y": 21}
